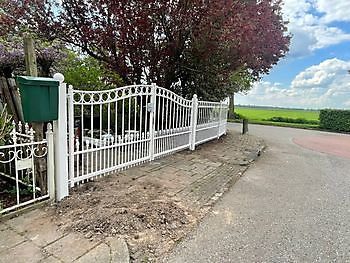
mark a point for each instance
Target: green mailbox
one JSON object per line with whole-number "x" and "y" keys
{"x": 39, "y": 98}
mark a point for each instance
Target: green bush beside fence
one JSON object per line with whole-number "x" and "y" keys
{"x": 335, "y": 120}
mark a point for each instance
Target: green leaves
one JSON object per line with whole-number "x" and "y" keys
{"x": 87, "y": 73}
{"x": 335, "y": 120}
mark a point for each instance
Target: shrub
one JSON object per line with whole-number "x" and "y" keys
{"x": 237, "y": 116}
{"x": 291, "y": 120}
{"x": 335, "y": 120}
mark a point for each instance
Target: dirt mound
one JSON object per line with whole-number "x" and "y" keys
{"x": 145, "y": 215}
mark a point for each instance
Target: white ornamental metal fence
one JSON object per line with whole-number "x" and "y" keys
{"x": 115, "y": 129}
{"x": 20, "y": 184}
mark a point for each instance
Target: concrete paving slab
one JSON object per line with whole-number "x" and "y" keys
{"x": 43, "y": 232}
{"x": 70, "y": 247}
{"x": 23, "y": 222}
{"x": 119, "y": 250}
{"x": 3, "y": 226}
{"x": 99, "y": 254}
{"x": 9, "y": 239}
{"x": 22, "y": 253}
{"x": 50, "y": 259}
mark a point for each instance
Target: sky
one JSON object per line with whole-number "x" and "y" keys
{"x": 315, "y": 73}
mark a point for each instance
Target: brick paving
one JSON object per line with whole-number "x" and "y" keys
{"x": 199, "y": 177}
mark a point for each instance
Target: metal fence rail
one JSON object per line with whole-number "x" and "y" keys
{"x": 115, "y": 129}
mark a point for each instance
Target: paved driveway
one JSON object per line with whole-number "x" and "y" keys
{"x": 293, "y": 205}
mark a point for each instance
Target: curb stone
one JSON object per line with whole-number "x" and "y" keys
{"x": 119, "y": 252}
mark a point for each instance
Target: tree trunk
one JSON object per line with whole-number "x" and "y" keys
{"x": 231, "y": 109}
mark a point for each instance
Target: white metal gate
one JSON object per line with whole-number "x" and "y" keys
{"x": 114, "y": 129}
{"x": 19, "y": 181}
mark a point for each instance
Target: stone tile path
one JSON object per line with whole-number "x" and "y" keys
{"x": 33, "y": 237}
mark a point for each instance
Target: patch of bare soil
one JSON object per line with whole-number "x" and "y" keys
{"x": 150, "y": 220}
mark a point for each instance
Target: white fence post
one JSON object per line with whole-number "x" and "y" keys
{"x": 219, "y": 124}
{"x": 194, "y": 116}
{"x": 152, "y": 110}
{"x": 50, "y": 162}
{"x": 60, "y": 130}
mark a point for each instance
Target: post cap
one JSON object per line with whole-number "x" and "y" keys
{"x": 59, "y": 77}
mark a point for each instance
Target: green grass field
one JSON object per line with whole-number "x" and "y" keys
{"x": 288, "y": 117}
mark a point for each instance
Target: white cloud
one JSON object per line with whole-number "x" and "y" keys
{"x": 313, "y": 31}
{"x": 334, "y": 10}
{"x": 324, "y": 85}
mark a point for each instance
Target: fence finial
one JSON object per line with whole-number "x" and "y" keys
{"x": 13, "y": 134}
{"x": 59, "y": 77}
{"x": 49, "y": 127}
{"x": 26, "y": 128}
{"x": 31, "y": 134}
{"x": 20, "y": 127}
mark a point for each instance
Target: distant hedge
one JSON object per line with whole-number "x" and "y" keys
{"x": 291, "y": 120}
{"x": 335, "y": 120}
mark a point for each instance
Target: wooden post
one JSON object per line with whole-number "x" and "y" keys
{"x": 5, "y": 89}
{"x": 16, "y": 98}
{"x": 245, "y": 126}
{"x": 29, "y": 55}
{"x": 38, "y": 127}
{"x": 32, "y": 70}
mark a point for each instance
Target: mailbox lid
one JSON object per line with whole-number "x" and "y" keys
{"x": 37, "y": 81}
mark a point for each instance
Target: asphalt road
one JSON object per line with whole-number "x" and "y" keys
{"x": 292, "y": 205}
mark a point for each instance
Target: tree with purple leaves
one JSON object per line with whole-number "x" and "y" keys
{"x": 12, "y": 56}
{"x": 189, "y": 46}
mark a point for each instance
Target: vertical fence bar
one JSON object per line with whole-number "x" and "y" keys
{"x": 60, "y": 129}
{"x": 194, "y": 116}
{"x": 71, "y": 134}
{"x": 152, "y": 109}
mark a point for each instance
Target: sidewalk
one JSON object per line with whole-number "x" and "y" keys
{"x": 34, "y": 237}
{"x": 151, "y": 206}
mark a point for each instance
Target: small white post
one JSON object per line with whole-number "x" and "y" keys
{"x": 219, "y": 121}
{"x": 194, "y": 116}
{"x": 50, "y": 162}
{"x": 152, "y": 108}
{"x": 60, "y": 133}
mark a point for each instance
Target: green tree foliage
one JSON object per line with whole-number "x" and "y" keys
{"x": 87, "y": 73}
